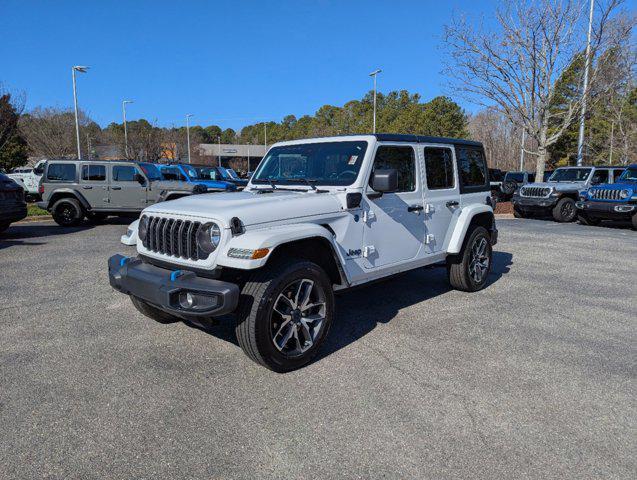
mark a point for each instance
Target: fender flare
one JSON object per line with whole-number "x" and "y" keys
{"x": 467, "y": 214}
{"x": 271, "y": 238}
{"x": 69, "y": 192}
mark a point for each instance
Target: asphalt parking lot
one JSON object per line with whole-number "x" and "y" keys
{"x": 532, "y": 377}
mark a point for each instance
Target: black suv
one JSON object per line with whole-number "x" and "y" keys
{"x": 12, "y": 204}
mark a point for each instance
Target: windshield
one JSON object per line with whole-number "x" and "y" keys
{"x": 172, "y": 173}
{"x": 151, "y": 171}
{"x": 514, "y": 176}
{"x": 208, "y": 173}
{"x": 327, "y": 163}
{"x": 570, "y": 175}
{"x": 191, "y": 171}
{"x": 630, "y": 174}
{"x": 232, "y": 174}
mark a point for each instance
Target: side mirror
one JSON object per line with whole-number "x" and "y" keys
{"x": 385, "y": 181}
{"x": 140, "y": 179}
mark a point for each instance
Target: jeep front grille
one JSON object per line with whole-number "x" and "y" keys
{"x": 535, "y": 191}
{"x": 605, "y": 194}
{"x": 173, "y": 237}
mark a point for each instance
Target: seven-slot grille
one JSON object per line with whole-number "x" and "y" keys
{"x": 535, "y": 191}
{"x": 605, "y": 194}
{"x": 174, "y": 237}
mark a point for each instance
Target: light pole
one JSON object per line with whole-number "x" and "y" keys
{"x": 125, "y": 129}
{"x": 374, "y": 74}
{"x": 580, "y": 140}
{"x": 265, "y": 135}
{"x": 81, "y": 69}
{"x": 248, "y": 156}
{"x": 188, "y": 115}
{"x": 219, "y": 150}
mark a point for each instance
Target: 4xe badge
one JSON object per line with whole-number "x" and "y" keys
{"x": 354, "y": 253}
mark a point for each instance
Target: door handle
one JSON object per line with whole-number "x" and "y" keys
{"x": 116, "y": 188}
{"x": 415, "y": 208}
{"x": 453, "y": 203}
{"x": 87, "y": 187}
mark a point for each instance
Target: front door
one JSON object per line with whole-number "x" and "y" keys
{"x": 441, "y": 196}
{"x": 125, "y": 190}
{"x": 94, "y": 185}
{"x": 394, "y": 222}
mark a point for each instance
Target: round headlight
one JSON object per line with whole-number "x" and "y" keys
{"x": 142, "y": 228}
{"x": 624, "y": 194}
{"x": 209, "y": 237}
{"x": 546, "y": 192}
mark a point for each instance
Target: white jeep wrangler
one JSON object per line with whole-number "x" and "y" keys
{"x": 318, "y": 215}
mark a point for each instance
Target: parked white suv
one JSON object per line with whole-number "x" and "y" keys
{"x": 318, "y": 215}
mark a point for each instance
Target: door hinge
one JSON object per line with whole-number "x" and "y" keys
{"x": 368, "y": 250}
{"x": 429, "y": 238}
{"x": 368, "y": 215}
{"x": 429, "y": 208}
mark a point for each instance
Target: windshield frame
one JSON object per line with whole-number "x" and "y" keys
{"x": 566, "y": 169}
{"x": 304, "y": 181}
{"x": 624, "y": 176}
{"x": 146, "y": 166}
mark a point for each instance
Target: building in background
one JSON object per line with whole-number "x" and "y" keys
{"x": 232, "y": 156}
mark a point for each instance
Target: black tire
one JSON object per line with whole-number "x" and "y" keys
{"x": 459, "y": 266}
{"x": 565, "y": 211}
{"x": 67, "y": 212}
{"x": 517, "y": 213}
{"x": 258, "y": 324}
{"x": 586, "y": 220}
{"x": 4, "y": 226}
{"x": 153, "y": 312}
{"x": 509, "y": 187}
{"x": 633, "y": 220}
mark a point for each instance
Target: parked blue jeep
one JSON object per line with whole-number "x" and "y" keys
{"x": 188, "y": 173}
{"x": 610, "y": 201}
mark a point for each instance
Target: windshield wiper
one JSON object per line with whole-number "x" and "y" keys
{"x": 311, "y": 182}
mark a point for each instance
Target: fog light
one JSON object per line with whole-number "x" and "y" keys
{"x": 197, "y": 301}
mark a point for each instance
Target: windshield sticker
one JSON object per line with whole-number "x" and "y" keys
{"x": 352, "y": 159}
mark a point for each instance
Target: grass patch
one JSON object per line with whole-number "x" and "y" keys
{"x": 35, "y": 211}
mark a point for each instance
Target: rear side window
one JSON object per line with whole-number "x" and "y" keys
{"x": 439, "y": 168}
{"x": 94, "y": 173}
{"x": 472, "y": 169}
{"x": 61, "y": 172}
{"x": 403, "y": 160}
{"x": 123, "y": 173}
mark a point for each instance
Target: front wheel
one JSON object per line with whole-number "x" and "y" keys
{"x": 285, "y": 314}
{"x": 468, "y": 271}
{"x": 517, "y": 213}
{"x": 633, "y": 221}
{"x": 586, "y": 220}
{"x": 565, "y": 210}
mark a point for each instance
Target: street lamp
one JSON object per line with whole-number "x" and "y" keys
{"x": 188, "y": 115}
{"x": 81, "y": 69}
{"x": 374, "y": 74}
{"x": 125, "y": 130}
{"x": 248, "y": 156}
{"x": 580, "y": 140}
{"x": 219, "y": 149}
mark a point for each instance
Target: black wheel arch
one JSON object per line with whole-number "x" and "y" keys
{"x": 62, "y": 194}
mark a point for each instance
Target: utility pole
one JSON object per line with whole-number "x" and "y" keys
{"x": 265, "y": 136}
{"x": 125, "y": 128}
{"x": 188, "y": 115}
{"x": 81, "y": 69}
{"x": 580, "y": 141}
{"x": 522, "y": 150}
{"x": 248, "y": 156}
{"x": 612, "y": 128}
{"x": 375, "y": 74}
{"x": 219, "y": 150}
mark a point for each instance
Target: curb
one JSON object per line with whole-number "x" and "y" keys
{"x": 504, "y": 215}
{"x": 35, "y": 218}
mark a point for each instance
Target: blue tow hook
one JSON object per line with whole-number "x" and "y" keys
{"x": 175, "y": 275}
{"x": 124, "y": 261}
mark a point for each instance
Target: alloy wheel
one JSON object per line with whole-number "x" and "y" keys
{"x": 479, "y": 260}
{"x": 297, "y": 317}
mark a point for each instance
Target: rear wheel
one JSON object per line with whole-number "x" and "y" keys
{"x": 67, "y": 212}
{"x": 153, "y": 312}
{"x": 586, "y": 220}
{"x": 468, "y": 271}
{"x": 285, "y": 314}
{"x": 565, "y": 210}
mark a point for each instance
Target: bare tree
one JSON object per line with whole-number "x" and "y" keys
{"x": 514, "y": 67}
{"x": 50, "y": 132}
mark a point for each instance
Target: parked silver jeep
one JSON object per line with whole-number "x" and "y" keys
{"x": 74, "y": 189}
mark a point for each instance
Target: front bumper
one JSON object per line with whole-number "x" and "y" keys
{"x": 534, "y": 203}
{"x": 609, "y": 210}
{"x": 162, "y": 287}
{"x": 12, "y": 212}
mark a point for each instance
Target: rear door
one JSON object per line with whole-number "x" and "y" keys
{"x": 94, "y": 184}
{"x": 472, "y": 174}
{"x": 126, "y": 192}
{"x": 441, "y": 195}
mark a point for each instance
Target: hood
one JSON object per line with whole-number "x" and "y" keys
{"x": 623, "y": 185}
{"x": 559, "y": 186}
{"x": 251, "y": 207}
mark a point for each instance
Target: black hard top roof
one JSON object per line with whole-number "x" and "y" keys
{"x": 398, "y": 137}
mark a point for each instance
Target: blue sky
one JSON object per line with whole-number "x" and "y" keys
{"x": 227, "y": 62}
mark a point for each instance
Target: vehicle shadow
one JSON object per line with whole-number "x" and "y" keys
{"x": 21, "y": 231}
{"x": 358, "y": 311}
